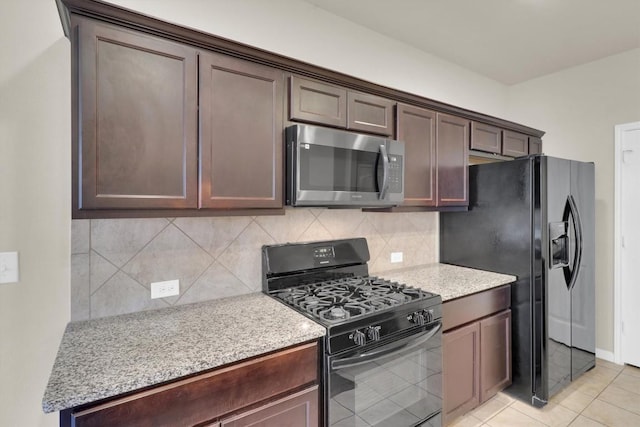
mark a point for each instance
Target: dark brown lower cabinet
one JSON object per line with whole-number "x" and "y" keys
{"x": 495, "y": 351}
{"x": 297, "y": 410}
{"x": 278, "y": 389}
{"x": 476, "y": 350}
{"x": 461, "y": 370}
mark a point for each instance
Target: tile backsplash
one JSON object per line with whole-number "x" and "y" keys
{"x": 113, "y": 261}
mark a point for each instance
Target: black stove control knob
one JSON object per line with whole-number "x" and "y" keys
{"x": 358, "y": 337}
{"x": 373, "y": 333}
{"x": 417, "y": 318}
{"x": 428, "y": 314}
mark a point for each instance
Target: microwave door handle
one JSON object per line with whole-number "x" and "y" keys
{"x": 385, "y": 171}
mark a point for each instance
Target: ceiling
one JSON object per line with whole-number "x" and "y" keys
{"x": 510, "y": 41}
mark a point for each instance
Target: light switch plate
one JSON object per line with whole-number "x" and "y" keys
{"x": 165, "y": 289}
{"x": 396, "y": 256}
{"x": 9, "y": 271}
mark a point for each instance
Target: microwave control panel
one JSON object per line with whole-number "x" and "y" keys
{"x": 395, "y": 173}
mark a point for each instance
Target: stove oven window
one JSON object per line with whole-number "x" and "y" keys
{"x": 399, "y": 389}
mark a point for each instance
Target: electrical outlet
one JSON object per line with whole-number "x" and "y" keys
{"x": 9, "y": 267}
{"x": 165, "y": 289}
{"x": 396, "y": 256}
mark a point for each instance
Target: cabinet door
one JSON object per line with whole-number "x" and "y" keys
{"x": 495, "y": 348}
{"x": 369, "y": 113}
{"x": 242, "y": 139}
{"x": 297, "y": 410}
{"x": 486, "y": 138}
{"x": 535, "y": 145}
{"x": 317, "y": 102}
{"x": 461, "y": 370}
{"x": 137, "y": 103}
{"x": 416, "y": 128}
{"x": 514, "y": 144}
{"x": 452, "y": 153}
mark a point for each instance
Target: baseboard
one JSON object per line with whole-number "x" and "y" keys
{"x": 605, "y": 355}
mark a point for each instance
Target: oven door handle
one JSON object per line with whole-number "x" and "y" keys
{"x": 387, "y": 350}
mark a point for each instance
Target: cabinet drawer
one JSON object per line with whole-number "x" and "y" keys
{"x": 369, "y": 113}
{"x": 473, "y": 307}
{"x": 535, "y": 145}
{"x": 317, "y": 102}
{"x": 514, "y": 144}
{"x": 207, "y": 396}
{"x": 486, "y": 138}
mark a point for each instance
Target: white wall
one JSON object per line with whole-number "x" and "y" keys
{"x": 35, "y": 202}
{"x": 299, "y": 30}
{"x": 578, "y": 108}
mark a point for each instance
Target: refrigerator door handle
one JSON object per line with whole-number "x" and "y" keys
{"x": 571, "y": 210}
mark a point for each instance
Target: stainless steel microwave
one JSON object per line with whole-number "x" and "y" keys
{"x": 330, "y": 167}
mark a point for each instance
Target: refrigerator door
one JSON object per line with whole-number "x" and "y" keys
{"x": 559, "y": 257}
{"x": 583, "y": 346}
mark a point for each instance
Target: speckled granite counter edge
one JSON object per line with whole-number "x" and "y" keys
{"x": 108, "y": 357}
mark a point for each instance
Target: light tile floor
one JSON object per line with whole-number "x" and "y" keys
{"x": 608, "y": 395}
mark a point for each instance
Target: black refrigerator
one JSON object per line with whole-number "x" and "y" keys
{"x": 533, "y": 217}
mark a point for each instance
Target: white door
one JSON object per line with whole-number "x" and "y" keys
{"x": 630, "y": 242}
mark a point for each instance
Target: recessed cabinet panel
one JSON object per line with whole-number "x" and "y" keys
{"x": 137, "y": 118}
{"x": 514, "y": 144}
{"x": 299, "y": 410}
{"x": 317, "y": 102}
{"x": 461, "y": 370}
{"x": 452, "y": 155}
{"x": 416, "y": 128}
{"x": 369, "y": 113}
{"x": 535, "y": 145}
{"x": 495, "y": 343}
{"x": 486, "y": 138}
{"x": 241, "y": 147}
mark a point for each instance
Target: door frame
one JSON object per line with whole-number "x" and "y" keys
{"x": 617, "y": 249}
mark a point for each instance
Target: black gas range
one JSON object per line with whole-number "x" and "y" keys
{"x": 382, "y": 364}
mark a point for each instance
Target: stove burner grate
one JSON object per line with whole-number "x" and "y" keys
{"x": 335, "y": 301}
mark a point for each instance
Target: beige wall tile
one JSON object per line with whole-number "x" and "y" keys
{"x": 170, "y": 255}
{"x": 121, "y": 294}
{"x": 216, "y": 282}
{"x": 80, "y": 236}
{"x": 222, "y": 255}
{"x": 119, "y": 240}
{"x": 243, "y": 257}
{"x": 213, "y": 234}
{"x": 101, "y": 271}
{"x": 80, "y": 292}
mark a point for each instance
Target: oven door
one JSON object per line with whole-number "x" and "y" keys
{"x": 329, "y": 167}
{"x": 398, "y": 383}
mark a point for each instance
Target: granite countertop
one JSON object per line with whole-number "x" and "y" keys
{"x": 449, "y": 281}
{"x": 106, "y": 357}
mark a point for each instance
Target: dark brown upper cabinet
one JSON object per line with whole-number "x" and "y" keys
{"x": 514, "y": 144}
{"x": 417, "y": 129}
{"x": 535, "y": 145}
{"x": 486, "y": 138}
{"x": 369, "y": 113}
{"x": 135, "y": 135}
{"x": 241, "y": 146}
{"x": 316, "y": 102}
{"x": 452, "y": 154}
